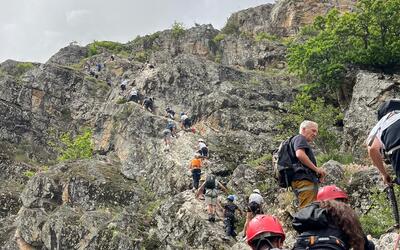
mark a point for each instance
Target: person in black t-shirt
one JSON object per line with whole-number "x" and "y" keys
{"x": 306, "y": 175}
{"x": 385, "y": 137}
{"x": 229, "y": 216}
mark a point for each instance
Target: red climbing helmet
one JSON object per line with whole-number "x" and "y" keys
{"x": 331, "y": 192}
{"x": 265, "y": 225}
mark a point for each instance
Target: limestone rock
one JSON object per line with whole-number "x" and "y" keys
{"x": 369, "y": 92}
{"x": 334, "y": 172}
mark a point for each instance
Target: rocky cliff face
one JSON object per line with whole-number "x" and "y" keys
{"x": 133, "y": 194}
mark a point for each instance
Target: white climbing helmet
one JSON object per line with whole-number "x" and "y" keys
{"x": 257, "y": 191}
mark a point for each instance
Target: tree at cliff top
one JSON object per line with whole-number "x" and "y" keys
{"x": 369, "y": 36}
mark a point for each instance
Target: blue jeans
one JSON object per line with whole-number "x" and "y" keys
{"x": 196, "y": 173}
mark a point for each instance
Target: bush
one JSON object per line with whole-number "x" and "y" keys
{"x": 178, "y": 29}
{"x": 79, "y": 147}
{"x": 94, "y": 48}
{"x": 379, "y": 217}
{"x": 23, "y": 67}
{"x": 218, "y": 38}
{"x": 366, "y": 37}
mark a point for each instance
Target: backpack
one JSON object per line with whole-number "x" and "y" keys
{"x": 387, "y": 107}
{"x": 210, "y": 182}
{"x": 283, "y": 163}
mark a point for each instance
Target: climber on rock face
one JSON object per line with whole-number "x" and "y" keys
{"x": 169, "y": 113}
{"x": 171, "y": 126}
{"x": 167, "y": 138}
{"x": 133, "y": 95}
{"x": 202, "y": 148}
{"x": 265, "y": 232}
{"x": 229, "y": 216}
{"x": 329, "y": 223}
{"x": 385, "y": 138}
{"x": 195, "y": 167}
{"x": 124, "y": 83}
{"x": 148, "y": 104}
{"x": 185, "y": 121}
{"x": 211, "y": 195}
{"x": 254, "y": 207}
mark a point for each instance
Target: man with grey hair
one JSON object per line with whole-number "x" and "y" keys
{"x": 306, "y": 174}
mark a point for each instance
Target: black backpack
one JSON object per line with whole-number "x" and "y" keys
{"x": 283, "y": 163}
{"x": 387, "y": 107}
{"x": 210, "y": 182}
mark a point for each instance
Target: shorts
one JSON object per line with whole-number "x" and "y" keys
{"x": 254, "y": 208}
{"x": 211, "y": 197}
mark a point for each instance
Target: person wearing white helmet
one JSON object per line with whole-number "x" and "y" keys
{"x": 202, "y": 148}
{"x": 254, "y": 206}
{"x": 185, "y": 121}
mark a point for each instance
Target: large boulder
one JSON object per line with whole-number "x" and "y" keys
{"x": 369, "y": 92}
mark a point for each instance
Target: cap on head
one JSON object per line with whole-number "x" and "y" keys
{"x": 256, "y": 191}
{"x": 201, "y": 140}
{"x": 263, "y": 224}
{"x": 331, "y": 192}
{"x": 182, "y": 113}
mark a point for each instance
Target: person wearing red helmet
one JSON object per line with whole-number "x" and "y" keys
{"x": 265, "y": 232}
{"x": 332, "y": 192}
{"x": 329, "y": 223}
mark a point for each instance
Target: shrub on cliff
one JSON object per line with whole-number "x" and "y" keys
{"x": 368, "y": 36}
{"x": 79, "y": 147}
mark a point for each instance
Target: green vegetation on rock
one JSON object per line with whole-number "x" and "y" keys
{"x": 265, "y": 36}
{"x": 94, "y": 48}
{"x": 178, "y": 29}
{"x": 22, "y": 68}
{"x": 366, "y": 37}
{"x": 79, "y": 147}
{"x": 379, "y": 217}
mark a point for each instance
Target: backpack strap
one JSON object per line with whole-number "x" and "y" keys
{"x": 390, "y": 152}
{"x": 315, "y": 240}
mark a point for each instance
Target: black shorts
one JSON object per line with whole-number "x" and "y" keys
{"x": 254, "y": 208}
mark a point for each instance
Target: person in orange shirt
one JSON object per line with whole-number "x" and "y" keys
{"x": 195, "y": 167}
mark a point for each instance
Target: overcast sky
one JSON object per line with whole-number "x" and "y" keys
{"x": 33, "y": 30}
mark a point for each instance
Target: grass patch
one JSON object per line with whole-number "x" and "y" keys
{"x": 121, "y": 100}
{"x": 260, "y": 161}
{"x": 379, "y": 218}
{"x": 261, "y": 36}
{"x": 343, "y": 158}
{"x": 29, "y": 173}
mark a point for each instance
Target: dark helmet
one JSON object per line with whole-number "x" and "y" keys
{"x": 388, "y": 106}
{"x": 230, "y": 197}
